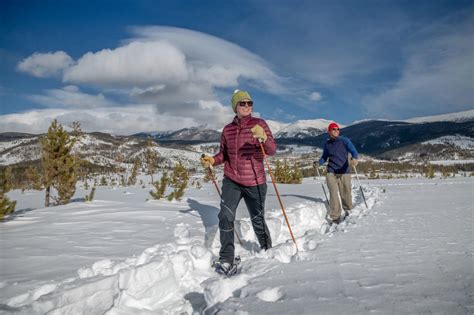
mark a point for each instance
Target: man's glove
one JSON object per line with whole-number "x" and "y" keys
{"x": 259, "y": 133}
{"x": 354, "y": 162}
{"x": 207, "y": 161}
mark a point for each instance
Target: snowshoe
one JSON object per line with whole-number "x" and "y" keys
{"x": 225, "y": 268}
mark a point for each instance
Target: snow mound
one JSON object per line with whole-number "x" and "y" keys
{"x": 271, "y": 294}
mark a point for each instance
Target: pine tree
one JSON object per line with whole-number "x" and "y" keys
{"x": 160, "y": 187}
{"x": 296, "y": 175}
{"x": 33, "y": 178}
{"x": 429, "y": 171}
{"x": 151, "y": 159}
{"x": 133, "y": 177}
{"x": 59, "y": 164}
{"x": 278, "y": 173}
{"x": 179, "y": 181}
{"x": 6, "y": 205}
{"x": 286, "y": 174}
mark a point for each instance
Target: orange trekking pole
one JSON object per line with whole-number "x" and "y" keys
{"x": 276, "y": 190}
{"x": 211, "y": 175}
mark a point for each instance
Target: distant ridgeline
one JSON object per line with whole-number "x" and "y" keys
{"x": 389, "y": 140}
{"x": 378, "y": 138}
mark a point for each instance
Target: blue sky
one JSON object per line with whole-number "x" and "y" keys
{"x": 129, "y": 66}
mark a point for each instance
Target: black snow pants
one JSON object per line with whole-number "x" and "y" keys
{"x": 254, "y": 197}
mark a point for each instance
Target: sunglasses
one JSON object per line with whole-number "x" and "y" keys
{"x": 335, "y": 129}
{"x": 244, "y": 103}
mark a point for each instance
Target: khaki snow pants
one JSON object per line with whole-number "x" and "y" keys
{"x": 339, "y": 185}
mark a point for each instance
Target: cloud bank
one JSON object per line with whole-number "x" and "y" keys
{"x": 115, "y": 120}
{"x": 176, "y": 70}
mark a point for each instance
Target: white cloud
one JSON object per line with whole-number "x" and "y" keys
{"x": 214, "y": 61}
{"x": 315, "y": 96}
{"x": 45, "y": 65}
{"x": 71, "y": 97}
{"x": 116, "y": 120}
{"x": 135, "y": 64}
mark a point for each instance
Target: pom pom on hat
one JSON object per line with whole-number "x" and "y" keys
{"x": 238, "y": 96}
{"x": 332, "y": 125}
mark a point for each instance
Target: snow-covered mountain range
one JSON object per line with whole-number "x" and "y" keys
{"x": 444, "y": 137}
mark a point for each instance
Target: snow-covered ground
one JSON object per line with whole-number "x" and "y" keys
{"x": 411, "y": 251}
{"x": 452, "y": 162}
{"x": 458, "y": 141}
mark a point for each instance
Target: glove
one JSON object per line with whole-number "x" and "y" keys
{"x": 318, "y": 164}
{"x": 207, "y": 161}
{"x": 354, "y": 162}
{"x": 259, "y": 133}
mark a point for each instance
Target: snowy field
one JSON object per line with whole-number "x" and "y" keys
{"x": 410, "y": 252}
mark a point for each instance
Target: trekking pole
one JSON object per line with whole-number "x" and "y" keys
{"x": 360, "y": 187}
{"x": 276, "y": 190}
{"x": 322, "y": 185}
{"x": 211, "y": 175}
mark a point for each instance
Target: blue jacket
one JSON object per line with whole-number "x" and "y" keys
{"x": 336, "y": 150}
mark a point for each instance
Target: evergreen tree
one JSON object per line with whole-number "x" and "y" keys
{"x": 33, "y": 178}
{"x": 160, "y": 187}
{"x": 151, "y": 159}
{"x": 179, "y": 181}
{"x": 59, "y": 164}
{"x": 429, "y": 171}
{"x": 133, "y": 177}
{"x": 6, "y": 205}
{"x": 103, "y": 181}
{"x": 286, "y": 174}
{"x": 296, "y": 175}
{"x": 278, "y": 173}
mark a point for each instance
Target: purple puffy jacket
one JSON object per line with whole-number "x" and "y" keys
{"x": 241, "y": 152}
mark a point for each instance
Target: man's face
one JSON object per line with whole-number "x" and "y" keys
{"x": 334, "y": 132}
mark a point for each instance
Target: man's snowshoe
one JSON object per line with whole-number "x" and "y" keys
{"x": 225, "y": 268}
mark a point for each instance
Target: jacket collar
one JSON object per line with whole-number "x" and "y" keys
{"x": 242, "y": 121}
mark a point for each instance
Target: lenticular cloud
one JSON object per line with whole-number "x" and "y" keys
{"x": 136, "y": 63}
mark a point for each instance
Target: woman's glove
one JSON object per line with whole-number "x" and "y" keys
{"x": 259, "y": 133}
{"x": 354, "y": 162}
{"x": 207, "y": 161}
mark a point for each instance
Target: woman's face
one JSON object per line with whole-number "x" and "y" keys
{"x": 244, "y": 108}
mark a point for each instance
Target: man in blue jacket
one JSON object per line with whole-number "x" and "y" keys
{"x": 338, "y": 176}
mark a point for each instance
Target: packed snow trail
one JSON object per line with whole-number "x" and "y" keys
{"x": 413, "y": 254}
{"x": 177, "y": 277}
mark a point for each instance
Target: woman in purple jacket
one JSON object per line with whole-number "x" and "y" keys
{"x": 244, "y": 175}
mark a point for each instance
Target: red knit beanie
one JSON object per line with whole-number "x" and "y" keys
{"x": 332, "y": 125}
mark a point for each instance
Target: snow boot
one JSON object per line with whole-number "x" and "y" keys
{"x": 225, "y": 268}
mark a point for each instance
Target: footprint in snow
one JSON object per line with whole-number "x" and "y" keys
{"x": 271, "y": 294}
